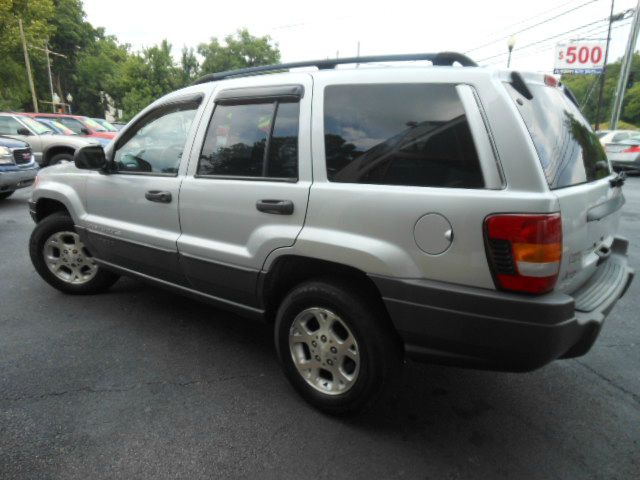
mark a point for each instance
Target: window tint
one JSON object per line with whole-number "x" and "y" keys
{"x": 71, "y": 123}
{"x": 156, "y": 145}
{"x": 569, "y": 152}
{"x": 620, "y": 136}
{"x": 399, "y": 134}
{"x": 9, "y": 126}
{"x": 240, "y": 141}
{"x": 283, "y": 147}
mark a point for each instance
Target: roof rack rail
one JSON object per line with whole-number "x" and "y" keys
{"x": 438, "y": 59}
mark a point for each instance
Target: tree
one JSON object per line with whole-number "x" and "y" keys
{"x": 189, "y": 65}
{"x": 36, "y": 16}
{"x": 238, "y": 51}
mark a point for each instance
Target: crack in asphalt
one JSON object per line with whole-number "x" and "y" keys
{"x": 126, "y": 388}
{"x": 633, "y": 395}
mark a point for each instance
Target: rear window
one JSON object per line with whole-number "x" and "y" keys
{"x": 399, "y": 134}
{"x": 569, "y": 151}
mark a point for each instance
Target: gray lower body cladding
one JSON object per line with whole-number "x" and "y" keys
{"x": 495, "y": 330}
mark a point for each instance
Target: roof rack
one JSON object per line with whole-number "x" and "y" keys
{"x": 437, "y": 59}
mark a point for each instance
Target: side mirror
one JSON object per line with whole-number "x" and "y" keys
{"x": 24, "y": 131}
{"x": 90, "y": 157}
{"x": 85, "y": 131}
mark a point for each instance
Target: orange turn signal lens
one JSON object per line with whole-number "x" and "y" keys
{"x": 537, "y": 252}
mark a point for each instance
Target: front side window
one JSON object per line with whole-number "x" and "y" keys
{"x": 156, "y": 144}
{"x": 399, "y": 134}
{"x": 245, "y": 141}
{"x": 9, "y": 126}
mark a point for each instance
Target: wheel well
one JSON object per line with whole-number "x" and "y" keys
{"x": 47, "y": 206}
{"x": 53, "y": 151}
{"x": 291, "y": 270}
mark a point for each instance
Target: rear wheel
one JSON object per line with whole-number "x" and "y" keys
{"x": 335, "y": 346}
{"x": 4, "y": 195}
{"x": 63, "y": 261}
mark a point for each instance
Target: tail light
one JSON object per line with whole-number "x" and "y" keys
{"x": 524, "y": 251}
{"x": 634, "y": 149}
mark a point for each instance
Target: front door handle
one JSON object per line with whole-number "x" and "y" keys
{"x": 158, "y": 196}
{"x": 277, "y": 207}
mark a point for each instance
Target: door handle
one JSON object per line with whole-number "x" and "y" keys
{"x": 158, "y": 196}
{"x": 277, "y": 207}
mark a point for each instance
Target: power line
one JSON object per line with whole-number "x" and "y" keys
{"x": 566, "y": 12}
{"x": 543, "y": 40}
{"x": 591, "y": 32}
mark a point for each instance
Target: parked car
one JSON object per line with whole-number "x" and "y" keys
{"x": 79, "y": 124}
{"x": 18, "y": 167}
{"x": 106, "y": 125}
{"x": 367, "y": 213}
{"x": 55, "y": 126}
{"x": 119, "y": 126}
{"x": 616, "y": 136}
{"x": 625, "y": 155}
{"x": 47, "y": 147}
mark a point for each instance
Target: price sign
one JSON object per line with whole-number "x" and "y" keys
{"x": 581, "y": 57}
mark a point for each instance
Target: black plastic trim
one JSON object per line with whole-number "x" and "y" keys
{"x": 440, "y": 59}
{"x": 248, "y": 95}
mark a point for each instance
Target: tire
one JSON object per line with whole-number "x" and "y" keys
{"x": 378, "y": 358}
{"x": 4, "y": 195}
{"x": 60, "y": 158}
{"x": 73, "y": 276}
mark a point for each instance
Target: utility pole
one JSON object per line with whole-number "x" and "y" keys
{"x": 625, "y": 69}
{"x": 49, "y": 52}
{"x": 28, "y": 63}
{"x": 53, "y": 105}
{"x": 604, "y": 69}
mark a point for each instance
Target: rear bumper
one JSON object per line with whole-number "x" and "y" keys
{"x": 458, "y": 325}
{"x": 13, "y": 177}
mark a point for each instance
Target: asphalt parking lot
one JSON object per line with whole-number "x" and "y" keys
{"x": 141, "y": 383}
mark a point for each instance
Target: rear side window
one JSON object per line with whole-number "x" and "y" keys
{"x": 569, "y": 151}
{"x": 252, "y": 140}
{"x": 399, "y": 134}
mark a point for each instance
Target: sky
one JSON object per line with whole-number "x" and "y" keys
{"x": 310, "y": 31}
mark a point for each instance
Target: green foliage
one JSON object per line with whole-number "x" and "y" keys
{"x": 97, "y": 70}
{"x": 586, "y": 88}
{"x": 239, "y": 50}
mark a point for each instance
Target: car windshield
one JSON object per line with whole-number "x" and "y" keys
{"x": 105, "y": 124}
{"x": 60, "y": 127}
{"x": 37, "y": 127}
{"x": 94, "y": 125}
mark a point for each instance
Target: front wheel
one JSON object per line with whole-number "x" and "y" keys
{"x": 63, "y": 261}
{"x": 335, "y": 346}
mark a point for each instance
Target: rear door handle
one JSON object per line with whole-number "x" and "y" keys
{"x": 158, "y": 196}
{"x": 277, "y": 207}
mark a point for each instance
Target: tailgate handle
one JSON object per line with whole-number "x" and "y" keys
{"x": 604, "y": 209}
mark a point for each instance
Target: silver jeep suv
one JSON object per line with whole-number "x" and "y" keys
{"x": 446, "y": 213}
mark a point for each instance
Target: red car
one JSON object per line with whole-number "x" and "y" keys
{"x": 79, "y": 124}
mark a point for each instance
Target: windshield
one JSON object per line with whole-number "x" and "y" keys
{"x": 37, "y": 127}
{"x": 94, "y": 125}
{"x": 569, "y": 151}
{"x": 61, "y": 128}
{"x": 105, "y": 124}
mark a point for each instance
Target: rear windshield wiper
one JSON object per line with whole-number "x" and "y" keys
{"x": 618, "y": 180}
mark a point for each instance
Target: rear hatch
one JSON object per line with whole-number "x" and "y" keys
{"x": 577, "y": 171}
